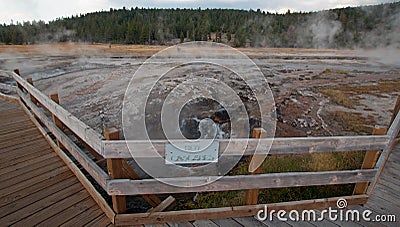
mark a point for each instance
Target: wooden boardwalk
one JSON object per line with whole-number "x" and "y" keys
{"x": 384, "y": 200}
{"x": 37, "y": 188}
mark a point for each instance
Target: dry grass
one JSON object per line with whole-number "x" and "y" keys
{"x": 80, "y": 49}
{"x": 376, "y": 89}
{"x": 348, "y": 95}
{"x": 386, "y": 86}
{"x": 335, "y": 71}
{"x": 287, "y": 163}
{"x": 340, "y": 98}
{"x": 351, "y": 122}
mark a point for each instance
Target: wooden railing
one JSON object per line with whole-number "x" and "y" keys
{"x": 121, "y": 181}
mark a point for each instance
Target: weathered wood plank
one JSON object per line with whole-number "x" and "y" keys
{"x": 13, "y": 113}
{"x": 115, "y": 171}
{"x": 53, "y": 209}
{"x": 81, "y": 177}
{"x": 338, "y": 222}
{"x": 21, "y": 140}
{"x": 14, "y": 128}
{"x": 369, "y": 162}
{"x": 15, "y": 178}
{"x": 275, "y": 222}
{"x": 153, "y": 200}
{"x": 19, "y": 146}
{"x": 229, "y": 212}
{"x": 386, "y": 190}
{"x": 99, "y": 221}
{"x": 52, "y": 183}
{"x": 363, "y": 222}
{"x": 69, "y": 213}
{"x": 238, "y": 147}
{"x": 180, "y": 224}
{"x": 390, "y": 182}
{"x": 382, "y": 205}
{"x": 255, "y": 167}
{"x": 153, "y": 225}
{"x": 325, "y": 222}
{"x": 16, "y": 120}
{"x": 31, "y": 208}
{"x": 47, "y": 157}
{"x": 84, "y": 217}
{"x": 226, "y": 222}
{"x": 15, "y": 203}
{"x": 92, "y": 168}
{"x": 55, "y": 119}
{"x": 204, "y": 223}
{"x": 392, "y": 133}
{"x": 238, "y": 182}
{"x": 250, "y": 221}
{"x": 16, "y": 157}
{"x": 300, "y": 223}
{"x": 17, "y": 134}
{"x": 91, "y": 137}
{"x": 164, "y": 205}
{"x": 390, "y": 199}
{"x": 30, "y": 81}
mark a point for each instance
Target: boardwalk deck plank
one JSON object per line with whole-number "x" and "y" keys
{"x": 71, "y": 212}
{"x": 36, "y": 185}
{"x": 30, "y": 205}
{"x": 54, "y": 209}
{"x": 226, "y": 222}
{"x": 56, "y": 183}
{"x": 84, "y": 217}
{"x": 25, "y": 174}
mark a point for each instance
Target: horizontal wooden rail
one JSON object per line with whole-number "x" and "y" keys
{"x": 280, "y": 146}
{"x": 83, "y": 131}
{"x": 238, "y": 182}
{"x": 236, "y": 211}
{"x": 91, "y": 167}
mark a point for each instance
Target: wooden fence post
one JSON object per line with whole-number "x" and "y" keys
{"x": 16, "y": 71}
{"x": 29, "y": 80}
{"x": 115, "y": 171}
{"x": 369, "y": 162}
{"x": 57, "y": 121}
{"x": 252, "y": 194}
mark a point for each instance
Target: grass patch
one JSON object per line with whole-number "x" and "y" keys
{"x": 335, "y": 71}
{"x": 384, "y": 86}
{"x": 339, "y": 97}
{"x": 286, "y": 163}
{"x": 351, "y": 122}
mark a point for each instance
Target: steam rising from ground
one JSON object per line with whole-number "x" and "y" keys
{"x": 324, "y": 29}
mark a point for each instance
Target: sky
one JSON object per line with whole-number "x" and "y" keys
{"x": 47, "y": 10}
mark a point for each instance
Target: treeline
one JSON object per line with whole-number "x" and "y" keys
{"x": 367, "y": 27}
